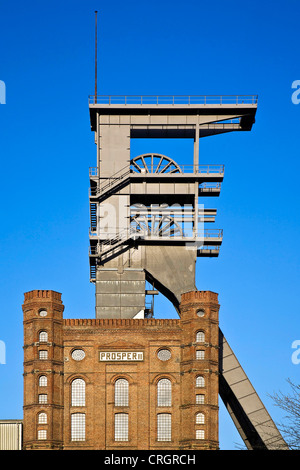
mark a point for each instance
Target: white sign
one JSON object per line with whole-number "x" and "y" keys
{"x": 121, "y": 356}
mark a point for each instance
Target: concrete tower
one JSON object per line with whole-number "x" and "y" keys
{"x": 147, "y": 220}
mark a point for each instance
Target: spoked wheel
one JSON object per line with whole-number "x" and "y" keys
{"x": 157, "y": 225}
{"x": 154, "y": 163}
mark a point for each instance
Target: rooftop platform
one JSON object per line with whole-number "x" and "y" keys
{"x": 226, "y": 107}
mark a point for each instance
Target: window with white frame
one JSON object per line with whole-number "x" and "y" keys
{"x": 43, "y": 381}
{"x": 200, "y": 418}
{"x": 78, "y": 427}
{"x": 200, "y": 337}
{"x": 200, "y": 399}
{"x": 78, "y": 392}
{"x": 43, "y": 337}
{"x": 164, "y": 427}
{"x": 43, "y": 398}
{"x": 164, "y": 392}
{"x": 200, "y": 354}
{"x": 200, "y": 434}
{"x": 43, "y": 354}
{"x": 200, "y": 381}
{"x": 121, "y": 427}
{"x": 42, "y": 434}
{"x": 121, "y": 392}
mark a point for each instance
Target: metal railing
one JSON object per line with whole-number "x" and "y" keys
{"x": 210, "y": 186}
{"x": 173, "y": 99}
{"x": 113, "y": 240}
{"x": 107, "y": 183}
{"x": 208, "y": 169}
{"x": 209, "y": 248}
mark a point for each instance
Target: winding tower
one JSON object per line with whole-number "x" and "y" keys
{"x": 147, "y": 222}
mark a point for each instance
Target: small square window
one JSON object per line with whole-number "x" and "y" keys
{"x": 43, "y": 398}
{"x": 199, "y": 399}
{"x": 43, "y": 354}
{"x": 200, "y": 354}
{"x": 199, "y": 434}
{"x": 42, "y": 434}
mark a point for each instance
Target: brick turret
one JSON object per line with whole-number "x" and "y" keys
{"x": 199, "y": 369}
{"x": 43, "y": 370}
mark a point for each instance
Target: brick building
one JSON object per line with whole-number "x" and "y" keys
{"x": 144, "y": 384}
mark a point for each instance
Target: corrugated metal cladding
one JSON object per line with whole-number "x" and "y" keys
{"x": 10, "y": 434}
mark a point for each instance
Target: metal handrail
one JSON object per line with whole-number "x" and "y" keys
{"x": 210, "y": 185}
{"x": 114, "y": 238}
{"x": 200, "y": 169}
{"x": 105, "y": 246}
{"x": 121, "y": 174}
{"x": 209, "y": 248}
{"x": 93, "y": 250}
{"x": 173, "y": 99}
{"x": 93, "y": 171}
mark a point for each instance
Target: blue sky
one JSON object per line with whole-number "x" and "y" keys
{"x": 46, "y": 148}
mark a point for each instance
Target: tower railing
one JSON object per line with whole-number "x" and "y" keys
{"x": 106, "y": 183}
{"x": 173, "y": 99}
{"x": 112, "y": 240}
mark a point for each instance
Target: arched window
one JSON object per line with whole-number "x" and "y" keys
{"x": 200, "y": 419}
{"x": 200, "y": 381}
{"x": 43, "y": 337}
{"x": 164, "y": 392}
{"x": 121, "y": 427}
{"x": 121, "y": 392}
{"x": 78, "y": 427}
{"x": 78, "y": 392}
{"x": 164, "y": 427}
{"x": 43, "y": 381}
{"x": 42, "y": 418}
{"x": 200, "y": 337}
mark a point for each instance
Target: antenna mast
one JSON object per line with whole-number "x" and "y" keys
{"x": 96, "y": 56}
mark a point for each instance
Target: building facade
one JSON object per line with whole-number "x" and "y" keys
{"x": 140, "y": 384}
{"x": 126, "y": 380}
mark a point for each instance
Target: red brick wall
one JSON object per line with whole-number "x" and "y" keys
{"x": 148, "y": 336}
